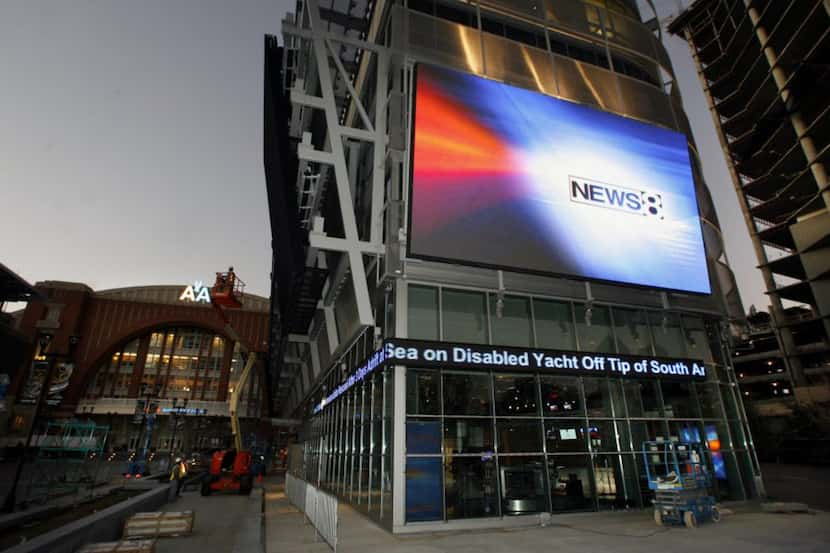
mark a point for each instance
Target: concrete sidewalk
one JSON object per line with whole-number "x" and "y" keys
{"x": 747, "y": 531}
{"x": 223, "y": 523}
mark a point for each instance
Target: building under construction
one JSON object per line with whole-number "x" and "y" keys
{"x": 764, "y": 68}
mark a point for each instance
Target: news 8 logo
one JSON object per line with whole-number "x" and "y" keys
{"x": 652, "y": 204}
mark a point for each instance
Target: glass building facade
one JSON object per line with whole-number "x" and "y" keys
{"x": 178, "y": 363}
{"x": 430, "y": 447}
{"x": 499, "y": 443}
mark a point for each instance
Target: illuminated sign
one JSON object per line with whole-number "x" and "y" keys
{"x": 419, "y": 353}
{"x": 370, "y": 365}
{"x": 183, "y": 411}
{"x": 512, "y": 179}
{"x": 446, "y": 354}
{"x": 196, "y": 292}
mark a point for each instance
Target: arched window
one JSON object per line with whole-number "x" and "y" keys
{"x": 178, "y": 362}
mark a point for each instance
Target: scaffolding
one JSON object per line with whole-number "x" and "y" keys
{"x": 70, "y": 459}
{"x": 764, "y": 68}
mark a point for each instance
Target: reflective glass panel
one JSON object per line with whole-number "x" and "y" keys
{"x": 422, "y": 312}
{"x": 468, "y": 436}
{"x": 697, "y": 342}
{"x": 602, "y": 435}
{"x": 642, "y": 398}
{"x": 471, "y": 487}
{"x": 465, "y": 316}
{"x": 669, "y": 340}
{"x": 616, "y": 481}
{"x": 593, "y": 327}
{"x": 467, "y": 394}
{"x": 523, "y": 487}
{"x": 570, "y": 483}
{"x": 565, "y": 436}
{"x": 679, "y": 400}
{"x": 513, "y": 328}
{"x": 424, "y": 489}
{"x": 554, "y": 325}
{"x": 519, "y": 436}
{"x": 633, "y": 336}
{"x": 422, "y": 396}
{"x": 516, "y": 395}
{"x": 597, "y": 397}
{"x": 560, "y": 396}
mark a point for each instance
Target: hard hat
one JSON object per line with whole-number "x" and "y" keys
{"x": 178, "y": 459}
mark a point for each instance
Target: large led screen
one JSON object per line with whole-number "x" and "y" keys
{"x": 509, "y": 178}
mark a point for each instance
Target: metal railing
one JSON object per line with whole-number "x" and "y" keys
{"x": 319, "y": 507}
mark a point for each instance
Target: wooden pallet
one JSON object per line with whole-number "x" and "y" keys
{"x": 130, "y": 546}
{"x": 156, "y": 525}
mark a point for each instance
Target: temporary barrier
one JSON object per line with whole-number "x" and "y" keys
{"x": 295, "y": 490}
{"x": 319, "y": 507}
{"x": 325, "y": 517}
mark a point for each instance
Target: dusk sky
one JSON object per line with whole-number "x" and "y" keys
{"x": 131, "y": 142}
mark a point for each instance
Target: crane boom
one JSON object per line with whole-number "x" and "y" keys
{"x": 236, "y": 393}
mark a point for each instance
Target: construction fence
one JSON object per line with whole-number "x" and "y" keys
{"x": 319, "y": 507}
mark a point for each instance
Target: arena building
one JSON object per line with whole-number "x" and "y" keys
{"x": 142, "y": 360}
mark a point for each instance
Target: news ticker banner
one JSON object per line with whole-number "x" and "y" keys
{"x": 449, "y": 355}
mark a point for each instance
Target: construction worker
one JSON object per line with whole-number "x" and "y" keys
{"x": 177, "y": 473}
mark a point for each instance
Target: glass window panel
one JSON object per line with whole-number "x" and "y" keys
{"x": 713, "y": 341}
{"x": 602, "y": 435}
{"x": 423, "y": 312}
{"x": 716, "y": 436}
{"x": 615, "y": 392}
{"x": 516, "y": 395}
{"x": 424, "y": 489}
{"x": 747, "y": 473}
{"x": 519, "y": 436}
{"x": 465, "y": 317}
{"x": 422, "y": 392}
{"x": 565, "y": 436}
{"x": 625, "y": 436}
{"x": 570, "y": 483}
{"x": 466, "y": 394}
{"x": 679, "y": 400}
{"x": 730, "y": 487}
{"x": 597, "y": 397}
{"x": 648, "y": 431}
{"x": 642, "y": 398}
{"x": 523, "y": 486}
{"x": 616, "y": 481}
{"x": 738, "y": 435}
{"x": 468, "y": 436}
{"x": 697, "y": 342}
{"x": 633, "y": 336}
{"x": 686, "y": 431}
{"x": 593, "y": 327}
{"x": 471, "y": 487}
{"x": 513, "y": 328}
{"x": 554, "y": 325}
{"x": 669, "y": 340}
{"x": 729, "y": 401}
{"x": 709, "y": 396}
{"x": 560, "y": 396}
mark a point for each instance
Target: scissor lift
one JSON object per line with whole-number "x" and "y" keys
{"x": 680, "y": 478}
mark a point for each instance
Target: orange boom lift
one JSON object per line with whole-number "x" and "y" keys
{"x": 231, "y": 469}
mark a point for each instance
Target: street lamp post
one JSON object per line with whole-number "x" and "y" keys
{"x": 149, "y": 392}
{"x": 175, "y": 414}
{"x": 44, "y": 341}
